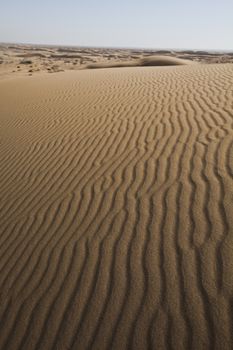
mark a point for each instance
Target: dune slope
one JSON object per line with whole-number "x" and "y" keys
{"x": 156, "y": 60}
{"x": 116, "y": 220}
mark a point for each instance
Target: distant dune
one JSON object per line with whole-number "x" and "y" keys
{"x": 51, "y": 59}
{"x": 141, "y": 62}
{"x": 116, "y": 222}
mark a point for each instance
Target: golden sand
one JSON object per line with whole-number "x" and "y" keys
{"x": 116, "y": 210}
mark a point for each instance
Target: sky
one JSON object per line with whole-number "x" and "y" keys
{"x": 180, "y": 24}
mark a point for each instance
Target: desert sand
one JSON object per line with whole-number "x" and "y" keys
{"x": 116, "y": 209}
{"x": 29, "y": 60}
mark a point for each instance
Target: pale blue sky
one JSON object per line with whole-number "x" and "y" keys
{"x": 200, "y": 24}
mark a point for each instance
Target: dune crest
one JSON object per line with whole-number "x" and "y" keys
{"x": 157, "y": 60}
{"x": 116, "y": 220}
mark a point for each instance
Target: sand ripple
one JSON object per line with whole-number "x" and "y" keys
{"x": 116, "y": 218}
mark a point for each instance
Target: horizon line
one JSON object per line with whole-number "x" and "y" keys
{"x": 115, "y": 47}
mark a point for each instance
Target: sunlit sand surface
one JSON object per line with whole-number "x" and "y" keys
{"x": 116, "y": 190}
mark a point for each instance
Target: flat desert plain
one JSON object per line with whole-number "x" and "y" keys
{"x": 116, "y": 208}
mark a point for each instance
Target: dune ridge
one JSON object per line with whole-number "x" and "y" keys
{"x": 116, "y": 209}
{"x": 158, "y": 60}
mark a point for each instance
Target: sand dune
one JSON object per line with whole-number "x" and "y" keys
{"x": 116, "y": 220}
{"x": 43, "y": 58}
{"x": 145, "y": 61}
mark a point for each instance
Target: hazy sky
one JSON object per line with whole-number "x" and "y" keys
{"x": 200, "y": 24}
